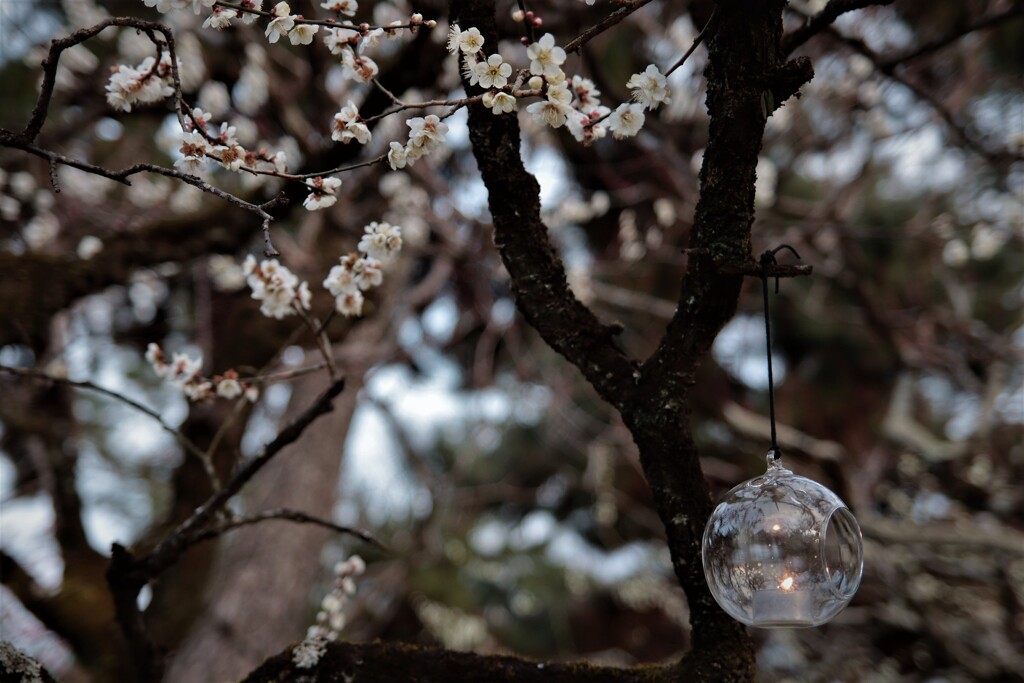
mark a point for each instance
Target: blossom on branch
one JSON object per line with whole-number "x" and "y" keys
{"x": 650, "y": 88}
{"x": 493, "y": 73}
{"x": 546, "y": 58}
{"x": 323, "y": 193}
{"x": 349, "y": 126}
{"x": 281, "y": 24}
{"x": 626, "y": 120}
{"x": 276, "y": 287}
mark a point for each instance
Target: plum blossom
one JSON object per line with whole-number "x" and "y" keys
{"x": 349, "y": 126}
{"x": 248, "y": 17}
{"x": 493, "y": 73}
{"x": 360, "y": 67}
{"x": 426, "y": 133}
{"x": 545, "y": 57}
{"x": 148, "y": 82}
{"x": 323, "y": 193}
{"x": 346, "y": 7}
{"x": 397, "y": 157}
{"x": 221, "y": 18}
{"x": 470, "y": 41}
{"x": 193, "y": 148}
{"x": 550, "y": 112}
{"x": 499, "y": 102}
{"x": 330, "y": 620}
{"x": 381, "y": 240}
{"x": 281, "y": 24}
{"x": 276, "y": 287}
{"x": 649, "y": 88}
{"x": 303, "y": 34}
{"x": 626, "y": 120}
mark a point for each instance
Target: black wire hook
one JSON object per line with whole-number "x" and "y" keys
{"x": 767, "y": 259}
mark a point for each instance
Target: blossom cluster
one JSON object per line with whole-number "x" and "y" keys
{"x": 276, "y": 287}
{"x": 201, "y": 141}
{"x": 185, "y": 372}
{"x": 330, "y": 620}
{"x": 426, "y": 133}
{"x": 150, "y": 81}
{"x": 360, "y": 271}
{"x": 571, "y": 102}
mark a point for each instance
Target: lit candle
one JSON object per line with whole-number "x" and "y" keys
{"x": 783, "y": 606}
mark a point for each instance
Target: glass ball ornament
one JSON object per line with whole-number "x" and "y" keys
{"x": 782, "y": 551}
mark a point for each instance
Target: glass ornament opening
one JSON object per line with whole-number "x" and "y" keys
{"x": 782, "y": 551}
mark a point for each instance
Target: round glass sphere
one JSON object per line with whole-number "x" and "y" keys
{"x": 782, "y": 551}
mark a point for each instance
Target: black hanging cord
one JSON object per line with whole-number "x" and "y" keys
{"x": 768, "y": 259}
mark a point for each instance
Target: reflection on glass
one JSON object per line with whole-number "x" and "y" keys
{"x": 782, "y": 551}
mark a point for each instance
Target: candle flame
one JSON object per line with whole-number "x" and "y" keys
{"x": 787, "y": 584}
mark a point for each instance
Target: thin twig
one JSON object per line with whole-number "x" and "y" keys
{"x": 170, "y": 548}
{"x": 696, "y": 42}
{"x": 187, "y": 443}
{"x": 822, "y": 20}
{"x": 600, "y": 27}
{"x": 1014, "y": 10}
{"x": 283, "y": 514}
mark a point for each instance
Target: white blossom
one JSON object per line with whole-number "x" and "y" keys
{"x": 281, "y": 24}
{"x": 380, "y": 240}
{"x": 303, "y": 34}
{"x": 221, "y": 18}
{"x": 552, "y": 113}
{"x": 248, "y": 17}
{"x": 454, "y": 33}
{"x": 493, "y": 73}
{"x": 349, "y": 303}
{"x": 545, "y": 57}
{"x": 649, "y": 88}
{"x": 470, "y": 41}
{"x": 397, "y": 156}
{"x": 348, "y": 126}
{"x": 499, "y": 102}
{"x": 426, "y": 133}
{"x": 276, "y": 287}
{"x": 228, "y": 386}
{"x": 346, "y": 7}
{"x": 360, "y": 67}
{"x": 323, "y": 193}
{"x": 626, "y": 120}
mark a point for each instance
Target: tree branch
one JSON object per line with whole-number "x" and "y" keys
{"x": 282, "y": 514}
{"x": 171, "y": 547}
{"x": 1016, "y": 9}
{"x": 823, "y": 19}
{"x": 537, "y": 272}
{"x": 600, "y": 27}
{"x": 392, "y": 662}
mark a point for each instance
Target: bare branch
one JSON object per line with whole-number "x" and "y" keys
{"x": 41, "y": 109}
{"x": 186, "y": 443}
{"x": 995, "y": 157}
{"x": 600, "y": 27}
{"x": 171, "y": 547}
{"x": 823, "y": 19}
{"x": 696, "y": 42}
{"x": 538, "y": 275}
{"x": 1014, "y": 10}
{"x": 282, "y": 514}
